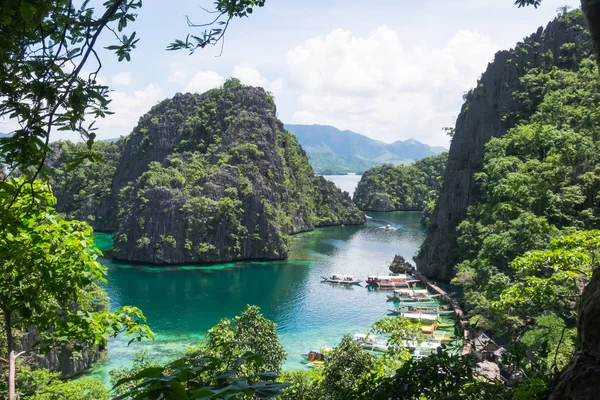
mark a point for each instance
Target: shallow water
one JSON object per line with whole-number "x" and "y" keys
{"x": 182, "y": 303}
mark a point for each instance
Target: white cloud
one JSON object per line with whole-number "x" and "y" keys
{"x": 380, "y": 86}
{"x": 128, "y": 108}
{"x": 249, "y": 75}
{"x": 122, "y": 79}
{"x": 202, "y": 81}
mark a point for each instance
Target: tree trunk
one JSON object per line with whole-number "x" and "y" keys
{"x": 12, "y": 357}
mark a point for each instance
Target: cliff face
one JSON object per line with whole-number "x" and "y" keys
{"x": 579, "y": 379}
{"x": 489, "y": 111}
{"x": 215, "y": 177}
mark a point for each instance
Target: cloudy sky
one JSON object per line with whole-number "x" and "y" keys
{"x": 389, "y": 69}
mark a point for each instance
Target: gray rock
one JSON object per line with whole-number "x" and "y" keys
{"x": 489, "y": 111}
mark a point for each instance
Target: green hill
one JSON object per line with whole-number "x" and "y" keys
{"x": 334, "y": 151}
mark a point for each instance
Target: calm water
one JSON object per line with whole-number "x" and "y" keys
{"x": 182, "y": 303}
{"x": 347, "y": 183}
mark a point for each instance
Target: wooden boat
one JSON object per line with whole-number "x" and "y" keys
{"x": 316, "y": 358}
{"x": 370, "y": 342}
{"x": 415, "y": 315}
{"x": 391, "y": 282}
{"x": 418, "y": 307}
{"x": 425, "y": 299}
{"x": 339, "y": 279}
{"x": 401, "y": 294}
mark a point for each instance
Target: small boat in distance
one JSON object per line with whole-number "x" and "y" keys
{"x": 339, "y": 279}
{"x": 388, "y": 227}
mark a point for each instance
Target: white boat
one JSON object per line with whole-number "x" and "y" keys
{"x": 370, "y": 342}
{"x": 391, "y": 282}
{"x": 428, "y": 299}
{"x": 401, "y": 294}
{"x": 340, "y": 279}
{"x": 417, "y": 316}
{"x": 388, "y": 227}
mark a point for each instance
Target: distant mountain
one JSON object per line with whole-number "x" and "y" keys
{"x": 333, "y": 151}
{"x": 2, "y": 135}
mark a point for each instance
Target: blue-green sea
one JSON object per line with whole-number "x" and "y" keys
{"x": 182, "y": 303}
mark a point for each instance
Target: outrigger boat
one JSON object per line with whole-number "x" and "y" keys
{"x": 397, "y": 297}
{"x": 369, "y": 342}
{"x": 407, "y": 294}
{"x": 391, "y": 282}
{"x": 340, "y": 279}
{"x": 422, "y": 308}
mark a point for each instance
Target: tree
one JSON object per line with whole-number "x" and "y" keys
{"x": 345, "y": 367}
{"x": 241, "y": 357}
{"x": 47, "y": 266}
{"x": 45, "y": 49}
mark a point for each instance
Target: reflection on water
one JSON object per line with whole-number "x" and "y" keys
{"x": 182, "y": 303}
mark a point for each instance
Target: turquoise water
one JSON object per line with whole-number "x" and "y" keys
{"x": 182, "y": 303}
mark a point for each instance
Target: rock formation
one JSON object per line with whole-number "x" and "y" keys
{"x": 580, "y": 379}
{"x": 215, "y": 177}
{"x": 489, "y": 111}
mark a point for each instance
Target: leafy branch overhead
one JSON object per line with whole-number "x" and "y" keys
{"x": 46, "y": 49}
{"x": 225, "y": 11}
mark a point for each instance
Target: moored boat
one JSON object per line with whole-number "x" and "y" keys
{"x": 340, "y": 279}
{"x": 399, "y": 298}
{"x": 370, "y": 342}
{"x": 415, "y": 315}
{"x": 391, "y": 282}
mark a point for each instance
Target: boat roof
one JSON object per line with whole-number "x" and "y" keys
{"x": 388, "y": 276}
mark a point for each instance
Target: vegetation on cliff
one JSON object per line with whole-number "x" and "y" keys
{"x": 401, "y": 188}
{"x": 84, "y": 192}
{"x": 507, "y": 94}
{"x": 203, "y": 178}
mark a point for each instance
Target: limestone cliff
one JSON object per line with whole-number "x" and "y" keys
{"x": 215, "y": 177}
{"x": 489, "y": 111}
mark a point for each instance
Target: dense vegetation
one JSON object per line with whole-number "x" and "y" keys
{"x": 84, "y": 192}
{"x": 525, "y": 248}
{"x": 332, "y": 151}
{"x": 203, "y": 178}
{"x": 402, "y": 188}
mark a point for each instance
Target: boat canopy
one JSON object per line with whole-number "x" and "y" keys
{"x": 388, "y": 277}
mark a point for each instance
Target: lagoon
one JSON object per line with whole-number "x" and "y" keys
{"x": 182, "y": 303}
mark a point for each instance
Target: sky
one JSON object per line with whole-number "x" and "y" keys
{"x": 389, "y": 69}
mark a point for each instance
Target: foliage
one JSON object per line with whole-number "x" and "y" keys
{"x": 241, "y": 357}
{"x": 235, "y": 183}
{"x": 303, "y": 385}
{"x": 41, "y": 384}
{"x": 538, "y": 182}
{"x": 410, "y": 187}
{"x": 84, "y": 191}
{"x": 48, "y": 267}
{"x": 345, "y": 367}
{"x": 44, "y": 48}
{"x": 225, "y": 11}
{"x": 198, "y": 376}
